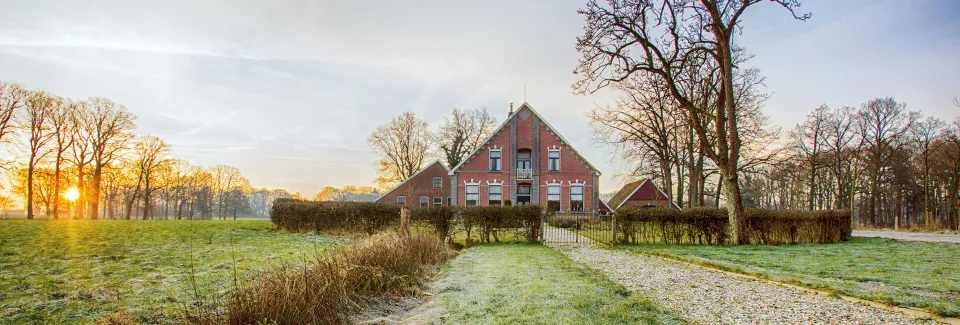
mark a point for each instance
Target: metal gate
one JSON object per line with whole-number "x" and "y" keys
{"x": 577, "y": 229}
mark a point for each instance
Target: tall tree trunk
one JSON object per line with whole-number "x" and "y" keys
{"x": 56, "y": 187}
{"x": 30, "y": 186}
{"x": 146, "y": 197}
{"x": 95, "y": 193}
{"x": 80, "y": 204}
{"x": 738, "y": 222}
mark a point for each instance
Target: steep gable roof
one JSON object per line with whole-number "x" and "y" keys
{"x": 604, "y": 206}
{"x": 504, "y": 124}
{"x": 643, "y": 189}
{"x": 412, "y": 177}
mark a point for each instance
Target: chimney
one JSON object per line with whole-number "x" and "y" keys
{"x": 511, "y": 110}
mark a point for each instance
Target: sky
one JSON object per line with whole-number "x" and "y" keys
{"x": 288, "y": 91}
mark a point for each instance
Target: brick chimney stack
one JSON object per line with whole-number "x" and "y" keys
{"x": 511, "y": 110}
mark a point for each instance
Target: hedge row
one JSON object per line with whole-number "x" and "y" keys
{"x": 487, "y": 223}
{"x": 300, "y": 215}
{"x": 710, "y": 226}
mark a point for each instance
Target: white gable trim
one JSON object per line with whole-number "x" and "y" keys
{"x": 414, "y": 175}
{"x": 540, "y": 117}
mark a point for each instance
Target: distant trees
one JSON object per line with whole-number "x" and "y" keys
{"x": 348, "y": 193}
{"x": 403, "y": 146}
{"x": 91, "y": 145}
{"x": 461, "y": 132}
{"x": 689, "y": 47}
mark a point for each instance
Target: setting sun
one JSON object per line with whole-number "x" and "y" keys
{"x": 72, "y": 194}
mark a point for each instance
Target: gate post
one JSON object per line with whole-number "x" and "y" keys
{"x": 613, "y": 229}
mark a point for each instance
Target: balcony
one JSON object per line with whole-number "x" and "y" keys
{"x": 524, "y": 174}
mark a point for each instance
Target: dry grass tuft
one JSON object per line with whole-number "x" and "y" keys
{"x": 327, "y": 290}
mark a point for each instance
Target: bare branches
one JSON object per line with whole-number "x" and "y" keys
{"x": 461, "y": 132}
{"x": 403, "y": 146}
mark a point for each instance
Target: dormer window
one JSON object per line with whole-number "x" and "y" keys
{"x": 495, "y": 160}
{"x": 553, "y": 160}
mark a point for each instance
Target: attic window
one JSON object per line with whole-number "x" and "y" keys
{"x": 553, "y": 160}
{"x": 495, "y": 160}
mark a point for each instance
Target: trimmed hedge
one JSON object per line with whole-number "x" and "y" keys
{"x": 486, "y": 222}
{"x": 710, "y": 226}
{"x": 519, "y": 220}
{"x": 301, "y": 215}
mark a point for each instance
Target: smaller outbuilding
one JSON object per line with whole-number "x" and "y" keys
{"x": 641, "y": 194}
{"x": 428, "y": 187}
{"x": 604, "y": 209}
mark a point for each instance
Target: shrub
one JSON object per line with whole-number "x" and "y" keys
{"x": 438, "y": 218}
{"x": 329, "y": 289}
{"x": 300, "y": 215}
{"x": 710, "y": 226}
{"x": 490, "y": 221}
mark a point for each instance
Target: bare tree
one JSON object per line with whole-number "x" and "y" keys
{"x": 884, "y": 124}
{"x": 12, "y": 99}
{"x": 151, "y": 153}
{"x": 843, "y": 146}
{"x": 38, "y": 106}
{"x": 402, "y": 145}
{"x": 461, "y": 132}
{"x": 926, "y": 134}
{"x": 59, "y": 121}
{"x": 81, "y": 149}
{"x": 110, "y": 126}
{"x": 225, "y": 180}
{"x": 808, "y": 138}
{"x": 684, "y": 43}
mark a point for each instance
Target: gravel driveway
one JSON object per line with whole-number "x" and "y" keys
{"x": 706, "y": 296}
{"x": 910, "y": 236}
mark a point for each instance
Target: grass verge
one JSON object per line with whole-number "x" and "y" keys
{"x": 907, "y": 274}
{"x": 533, "y": 284}
{"x": 64, "y": 272}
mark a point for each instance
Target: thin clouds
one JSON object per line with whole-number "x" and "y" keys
{"x": 289, "y": 90}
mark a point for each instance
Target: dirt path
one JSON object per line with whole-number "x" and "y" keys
{"x": 910, "y": 236}
{"x": 706, "y": 296}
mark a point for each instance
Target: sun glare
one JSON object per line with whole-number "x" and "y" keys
{"x": 72, "y": 194}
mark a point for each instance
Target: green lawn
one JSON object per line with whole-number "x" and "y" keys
{"x": 924, "y": 275}
{"x": 77, "y": 271}
{"x": 533, "y": 284}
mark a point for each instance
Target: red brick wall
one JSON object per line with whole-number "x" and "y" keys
{"x": 572, "y": 167}
{"x": 421, "y": 185}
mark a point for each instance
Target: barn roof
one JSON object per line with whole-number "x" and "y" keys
{"x": 642, "y": 190}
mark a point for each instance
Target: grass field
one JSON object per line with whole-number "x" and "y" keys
{"x": 533, "y": 284}
{"x": 61, "y": 272}
{"x": 924, "y": 275}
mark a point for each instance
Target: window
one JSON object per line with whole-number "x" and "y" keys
{"x": 449, "y": 200}
{"x": 553, "y": 162}
{"x": 424, "y": 201}
{"x": 523, "y": 159}
{"x": 401, "y": 200}
{"x": 437, "y": 201}
{"x": 495, "y": 194}
{"x": 576, "y": 198}
{"x": 473, "y": 195}
{"x": 553, "y": 198}
{"x": 523, "y": 194}
{"x": 494, "y": 160}
{"x": 438, "y": 182}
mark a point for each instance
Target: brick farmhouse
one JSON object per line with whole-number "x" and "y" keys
{"x": 524, "y": 161}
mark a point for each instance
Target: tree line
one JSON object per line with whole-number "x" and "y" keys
{"x": 689, "y": 116}
{"x": 88, "y": 148}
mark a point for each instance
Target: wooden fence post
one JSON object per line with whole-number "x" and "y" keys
{"x": 404, "y": 222}
{"x": 613, "y": 229}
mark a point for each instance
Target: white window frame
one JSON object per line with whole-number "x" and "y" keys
{"x": 582, "y": 188}
{"x": 467, "y": 194}
{"x": 550, "y": 160}
{"x": 424, "y": 201}
{"x": 401, "y": 200}
{"x": 499, "y": 161}
{"x": 437, "y": 182}
{"x": 559, "y": 188}
{"x": 490, "y": 193}
{"x": 437, "y": 201}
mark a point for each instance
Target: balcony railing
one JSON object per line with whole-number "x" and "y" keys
{"x": 524, "y": 174}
